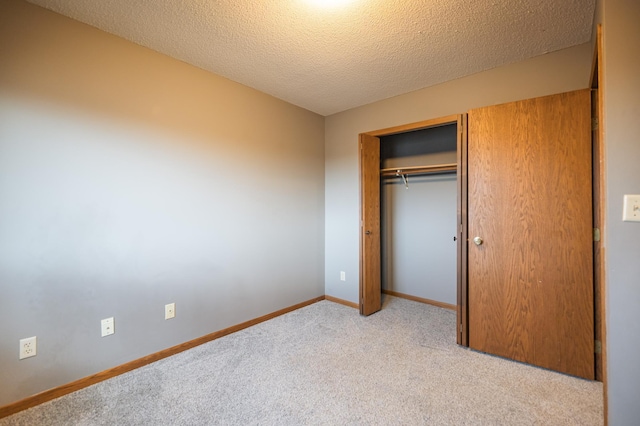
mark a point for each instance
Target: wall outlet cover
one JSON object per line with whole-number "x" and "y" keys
{"x": 27, "y": 347}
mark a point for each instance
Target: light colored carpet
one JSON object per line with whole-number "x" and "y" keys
{"x": 324, "y": 364}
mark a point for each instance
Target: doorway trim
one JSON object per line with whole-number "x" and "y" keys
{"x": 370, "y": 280}
{"x": 599, "y": 212}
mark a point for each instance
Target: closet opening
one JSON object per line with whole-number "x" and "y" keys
{"x": 418, "y": 196}
{"x": 413, "y": 215}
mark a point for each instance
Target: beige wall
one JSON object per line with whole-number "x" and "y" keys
{"x": 557, "y": 72}
{"x": 129, "y": 180}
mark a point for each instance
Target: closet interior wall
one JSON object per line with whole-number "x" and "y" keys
{"x": 418, "y": 220}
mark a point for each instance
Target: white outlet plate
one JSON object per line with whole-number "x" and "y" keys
{"x": 169, "y": 311}
{"x": 108, "y": 326}
{"x": 28, "y": 347}
{"x": 343, "y": 276}
{"x": 631, "y": 209}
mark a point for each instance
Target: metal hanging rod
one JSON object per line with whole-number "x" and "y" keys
{"x": 419, "y": 170}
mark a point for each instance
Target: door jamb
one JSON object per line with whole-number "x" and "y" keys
{"x": 599, "y": 196}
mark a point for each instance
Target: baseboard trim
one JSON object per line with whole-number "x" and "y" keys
{"x": 421, "y": 300}
{"x": 342, "y": 302}
{"x": 59, "y": 391}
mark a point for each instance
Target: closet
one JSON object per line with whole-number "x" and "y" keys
{"x": 524, "y": 225}
{"x": 410, "y": 162}
{"x": 418, "y": 196}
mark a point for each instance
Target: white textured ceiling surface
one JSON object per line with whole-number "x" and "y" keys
{"x": 329, "y": 59}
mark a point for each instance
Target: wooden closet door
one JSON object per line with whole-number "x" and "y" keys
{"x": 529, "y": 200}
{"x": 370, "y": 285}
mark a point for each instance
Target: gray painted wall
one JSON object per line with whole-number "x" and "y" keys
{"x": 621, "y": 32}
{"x": 129, "y": 180}
{"x": 418, "y": 223}
{"x": 418, "y": 226}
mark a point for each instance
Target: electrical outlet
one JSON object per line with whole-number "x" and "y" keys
{"x": 343, "y": 276}
{"x": 108, "y": 326}
{"x": 27, "y": 347}
{"x": 169, "y": 311}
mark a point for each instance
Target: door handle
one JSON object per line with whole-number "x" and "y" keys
{"x": 367, "y": 232}
{"x": 478, "y": 241}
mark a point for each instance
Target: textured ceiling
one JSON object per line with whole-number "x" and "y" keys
{"x": 329, "y": 59}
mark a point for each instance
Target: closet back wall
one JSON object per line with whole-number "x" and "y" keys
{"x": 129, "y": 180}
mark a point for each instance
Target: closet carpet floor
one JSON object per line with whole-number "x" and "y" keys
{"x": 326, "y": 365}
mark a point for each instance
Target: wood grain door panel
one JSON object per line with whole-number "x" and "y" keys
{"x": 370, "y": 276}
{"x": 530, "y": 285}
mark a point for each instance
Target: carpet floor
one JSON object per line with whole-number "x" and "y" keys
{"x": 326, "y": 365}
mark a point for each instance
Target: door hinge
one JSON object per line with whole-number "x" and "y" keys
{"x": 461, "y": 228}
{"x": 594, "y": 123}
{"x": 596, "y": 234}
{"x": 460, "y": 328}
{"x": 598, "y": 347}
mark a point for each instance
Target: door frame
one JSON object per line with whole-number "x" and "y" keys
{"x": 370, "y": 226}
{"x": 599, "y": 212}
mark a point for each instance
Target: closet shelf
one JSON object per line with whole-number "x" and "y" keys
{"x": 419, "y": 170}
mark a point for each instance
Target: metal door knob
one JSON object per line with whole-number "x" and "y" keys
{"x": 368, "y": 232}
{"x": 477, "y": 240}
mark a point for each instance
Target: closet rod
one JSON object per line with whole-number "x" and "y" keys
{"x": 419, "y": 170}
